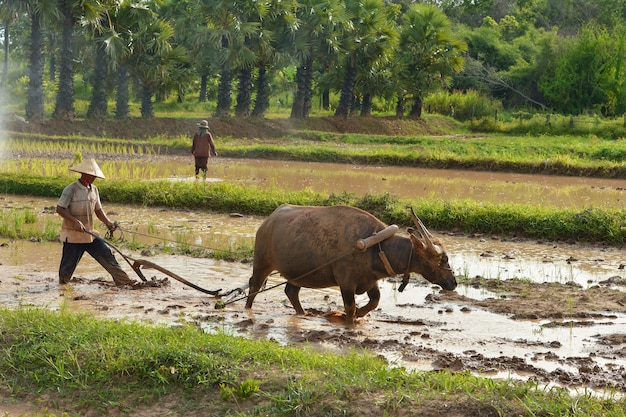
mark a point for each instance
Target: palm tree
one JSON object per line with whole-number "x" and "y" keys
{"x": 99, "y": 104}
{"x": 153, "y": 60}
{"x": 130, "y": 19}
{"x": 41, "y": 13}
{"x": 229, "y": 32}
{"x": 318, "y": 38}
{"x": 8, "y": 13}
{"x": 71, "y": 11}
{"x": 428, "y": 54}
{"x": 277, "y": 33}
{"x": 369, "y": 41}
{"x": 192, "y": 32}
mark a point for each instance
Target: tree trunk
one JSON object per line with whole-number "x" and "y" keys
{"x": 203, "y": 88}
{"x": 347, "y": 91}
{"x": 52, "y": 61}
{"x": 224, "y": 99}
{"x": 400, "y": 106}
{"x": 64, "y": 108}
{"x": 326, "y": 99}
{"x": 5, "y": 69}
{"x": 223, "y": 94}
{"x": 122, "y": 110}
{"x": 308, "y": 87}
{"x": 366, "y": 105}
{"x": 262, "y": 102}
{"x": 34, "y": 101}
{"x": 244, "y": 93}
{"x": 304, "y": 91}
{"x": 98, "y": 105}
{"x": 147, "y": 111}
{"x": 297, "y": 108}
{"x": 355, "y": 104}
{"x": 416, "y": 109}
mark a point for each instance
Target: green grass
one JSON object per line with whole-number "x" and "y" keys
{"x": 557, "y": 155}
{"x": 116, "y": 366}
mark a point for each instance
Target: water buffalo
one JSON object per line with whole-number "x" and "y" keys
{"x": 319, "y": 247}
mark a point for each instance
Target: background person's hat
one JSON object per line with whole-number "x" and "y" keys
{"x": 89, "y": 167}
{"x": 203, "y": 124}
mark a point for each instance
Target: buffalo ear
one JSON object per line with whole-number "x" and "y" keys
{"x": 417, "y": 240}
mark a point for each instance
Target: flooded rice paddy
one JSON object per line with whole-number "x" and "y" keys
{"x": 409, "y": 182}
{"x": 550, "y": 327}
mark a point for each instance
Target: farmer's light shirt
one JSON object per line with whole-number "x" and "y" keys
{"x": 82, "y": 202}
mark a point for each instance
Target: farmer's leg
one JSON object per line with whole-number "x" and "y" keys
{"x": 99, "y": 250}
{"x": 202, "y": 164}
{"x": 72, "y": 253}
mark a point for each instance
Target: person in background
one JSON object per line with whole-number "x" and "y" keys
{"x": 79, "y": 203}
{"x": 202, "y": 147}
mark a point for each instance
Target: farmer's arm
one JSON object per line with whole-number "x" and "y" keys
{"x": 65, "y": 213}
{"x": 100, "y": 214}
{"x": 212, "y": 145}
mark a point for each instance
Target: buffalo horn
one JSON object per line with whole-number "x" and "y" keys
{"x": 422, "y": 229}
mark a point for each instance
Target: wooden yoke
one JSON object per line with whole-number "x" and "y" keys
{"x": 368, "y": 242}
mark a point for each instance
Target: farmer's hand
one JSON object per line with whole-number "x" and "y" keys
{"x": 79, "y": 225}
{"x": 112, "y": 226}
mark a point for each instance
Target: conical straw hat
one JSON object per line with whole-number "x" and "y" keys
{"x": 89, "y": 167}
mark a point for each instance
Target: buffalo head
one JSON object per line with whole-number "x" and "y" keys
{"x": 435, "y": 267}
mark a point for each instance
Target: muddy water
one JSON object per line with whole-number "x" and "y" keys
{"x": 410, "y": 329}
{"x": 410, "y": 182}
{"x": 486, "y": 257}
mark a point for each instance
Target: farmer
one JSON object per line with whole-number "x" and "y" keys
{"x": 202, "y": 147}
{"x": 77, "y": 205}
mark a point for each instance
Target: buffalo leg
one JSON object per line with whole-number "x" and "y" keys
{"x": 374, "y": 295}
{"x": 349, "y": 304}
{"x": 293, "y": 293}
{"x": 257, "y": 281}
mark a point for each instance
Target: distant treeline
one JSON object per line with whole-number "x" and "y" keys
{"x": 344, "y": 57}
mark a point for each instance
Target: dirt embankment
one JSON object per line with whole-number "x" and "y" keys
{"x": 234, "y": 127}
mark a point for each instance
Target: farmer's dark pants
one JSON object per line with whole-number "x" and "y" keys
{"x": 201, "y": 164}
{"x": 98, "y": 249}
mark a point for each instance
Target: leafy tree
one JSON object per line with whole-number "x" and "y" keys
{"x": 127, "y": 36}
{"x": 192, "y": 32}
{"x": 428, "y": 55}
{"x": 9, "y": 11}
{"x": 41, "y": 13}
{"x": 272, "y": 46}
{"x": 229, "y": 33}
{"x": 581, "y": 72}
{"x": 98, "y": 104}
{"x": 71, "y": 12}
{"x": 318, "y": 37}
{"x": 369, "y": 41}
{"x": 153, "y": 60}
